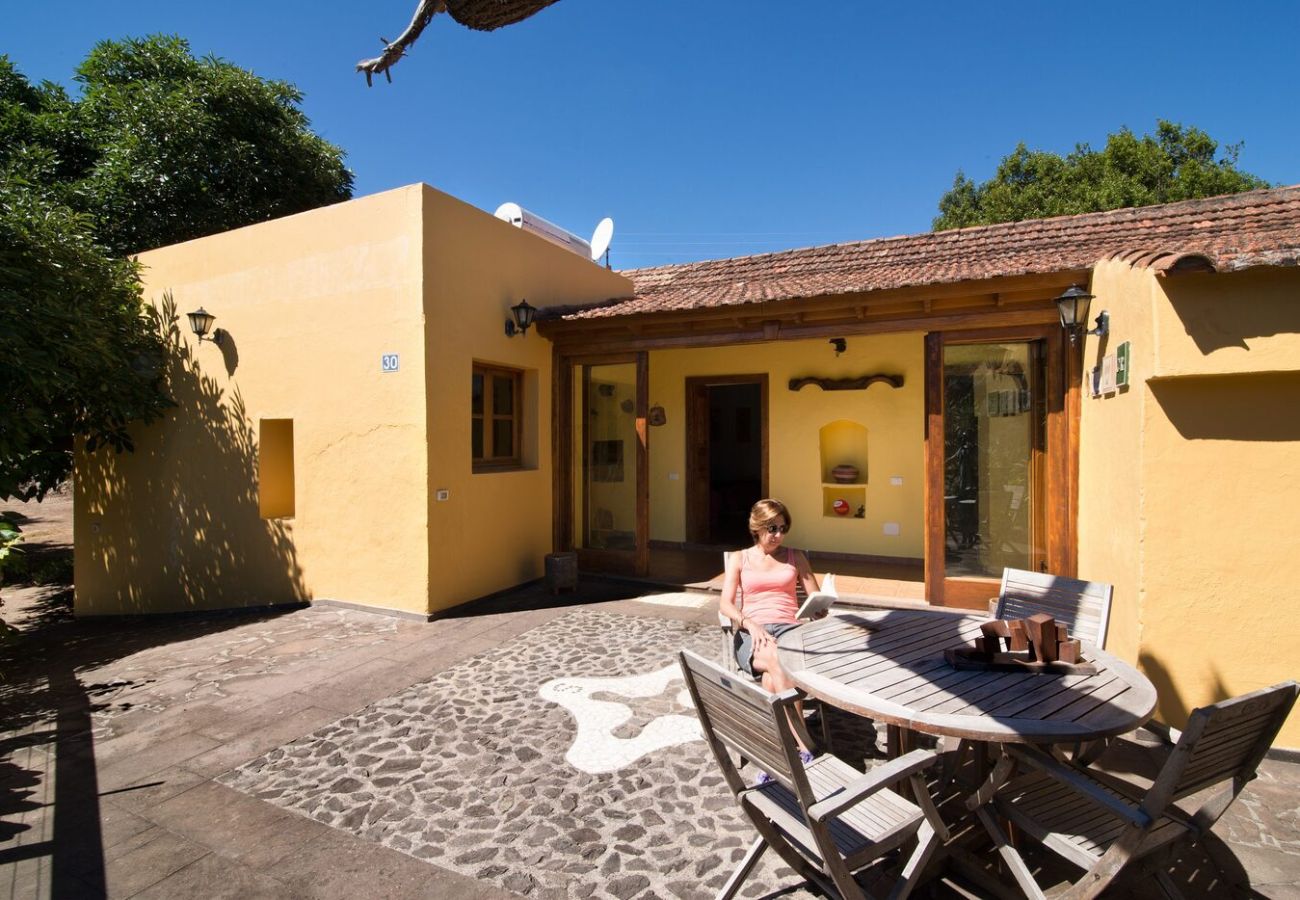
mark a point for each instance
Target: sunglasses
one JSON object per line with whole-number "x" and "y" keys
{"x": 778, "y": 529}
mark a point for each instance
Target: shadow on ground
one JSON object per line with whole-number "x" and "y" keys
{"x": 47, "y": 711}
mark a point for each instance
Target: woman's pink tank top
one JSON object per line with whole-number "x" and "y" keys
{"x": 769, "y": 596}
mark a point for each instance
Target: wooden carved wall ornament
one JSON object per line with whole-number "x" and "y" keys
{"x": 846, "y": 384}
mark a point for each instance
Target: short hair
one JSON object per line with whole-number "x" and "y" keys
{"x": 765, "y": 511}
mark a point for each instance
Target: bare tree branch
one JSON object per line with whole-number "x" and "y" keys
{"x": 397, "y": 49}
{"x": 481, "y": 15}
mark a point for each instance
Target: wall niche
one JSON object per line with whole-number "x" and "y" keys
{"x": 842, "y": 446}
{"x": 843, "y": 443}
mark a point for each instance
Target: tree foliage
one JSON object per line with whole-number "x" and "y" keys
{"x": 78, "y": 352}
{"x": 1175, "y": 163}
{"x": 162, "y": 147}
{"x": 159, "y": 147}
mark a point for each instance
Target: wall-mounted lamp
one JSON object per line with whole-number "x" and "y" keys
{"x": 1073, "y": 308}
{"x": 839, "y": 344}
{"x": 201, "y": 323}
{"x": 523, "y": 318}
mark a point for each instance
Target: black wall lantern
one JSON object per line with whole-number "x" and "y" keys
{"x": 523, "y": 318}
{"x": 1073, "y": 308}
{"x": 201, "y": 323}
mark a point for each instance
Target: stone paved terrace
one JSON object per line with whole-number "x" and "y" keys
{"x": 330, "y": 752}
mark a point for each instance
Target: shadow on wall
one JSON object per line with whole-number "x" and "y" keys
{"x": 1245, "y": 407}
{"x": 1171, "y": 708}
{"x": 190, "y": 491}
{"x": 1256, "y": 308}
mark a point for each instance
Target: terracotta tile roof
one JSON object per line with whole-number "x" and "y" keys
{"x": 1221, "y": 233}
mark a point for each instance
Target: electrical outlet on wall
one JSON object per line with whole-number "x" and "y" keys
{"x": 891, "y": 528}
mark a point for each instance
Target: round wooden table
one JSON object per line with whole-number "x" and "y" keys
{"x": 889, "y": 665}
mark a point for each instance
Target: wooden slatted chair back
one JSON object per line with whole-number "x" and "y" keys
{"x": 738, "y": 715}
{"x": 727, "y": 650}
{"x": 1083, "y": 607}
{"x": 1224, "y": 741}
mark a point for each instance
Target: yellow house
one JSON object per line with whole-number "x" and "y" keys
{"x": 367, "y": 433}
{"x": 322, "y": 449}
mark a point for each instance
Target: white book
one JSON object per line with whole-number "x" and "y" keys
{"x": 819, "y": 601}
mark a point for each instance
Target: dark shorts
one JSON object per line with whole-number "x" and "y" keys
{"x": 745, "y": 645}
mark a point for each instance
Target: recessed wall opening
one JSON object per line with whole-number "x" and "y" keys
{"x": 275, "y": 493}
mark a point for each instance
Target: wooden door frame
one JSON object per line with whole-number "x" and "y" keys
{"x": 1061, "y": 465}
{"x": 562, "y": 422}
{"x": 696, "y": 485}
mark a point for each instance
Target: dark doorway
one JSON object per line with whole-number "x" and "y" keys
{"x": 727, "y": 453}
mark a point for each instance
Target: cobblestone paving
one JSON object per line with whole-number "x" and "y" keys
{"x": 467, "y": 770}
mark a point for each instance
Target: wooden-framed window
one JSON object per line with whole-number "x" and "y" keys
{"x": 496, "y": 420}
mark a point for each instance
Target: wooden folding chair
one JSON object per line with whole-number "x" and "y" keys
{"x": 727, "y": 652}
{"x": 1104, "y": 825}
{"x": 1083, "y": 607}
{"x": 824, "y": 818}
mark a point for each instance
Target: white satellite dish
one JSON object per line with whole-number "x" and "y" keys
{"x": 601, "y": 237}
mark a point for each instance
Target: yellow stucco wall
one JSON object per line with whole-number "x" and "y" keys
{"x": 1111, "y": 523}
{"x": 894, "y": 419}
{"x": 1189, "y": 495}
{"x": 308, "y": 303}
{"x": 494, "y": 530}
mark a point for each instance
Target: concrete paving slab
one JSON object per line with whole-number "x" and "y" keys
{"x": 216, "y": 817}
{"x": 148, "y": 863}
{"x": 340, "y": 867}
{"x": 255, "y": 718}
{"x": 214, "y": 877}
{"x": 151, "y": 789}
{"x": 230, "y": 753}
{"x": 134, "y": 758}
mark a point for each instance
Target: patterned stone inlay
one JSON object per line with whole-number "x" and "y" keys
{"x": 468, "y": 771}
{"x": 609, "y": 737}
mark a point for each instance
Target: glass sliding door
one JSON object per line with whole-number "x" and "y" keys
{"x": 998, "y": 475}
{"x": 609, "y": 465}
{"x": 993, "y": 436}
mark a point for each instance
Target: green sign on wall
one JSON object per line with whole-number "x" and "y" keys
{"x": 1121, "y": 364}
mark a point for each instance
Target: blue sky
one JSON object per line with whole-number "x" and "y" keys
{"x": 713, "y": 129}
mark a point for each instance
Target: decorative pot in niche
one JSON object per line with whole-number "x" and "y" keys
{"x": 845, "y": 473}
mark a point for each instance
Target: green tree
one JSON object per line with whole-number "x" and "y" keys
{"x": 1175, "y": 163}
{"x": 79, "y": 353}
{"x": 162, "y": 147}
{"x": 159, "y": 147}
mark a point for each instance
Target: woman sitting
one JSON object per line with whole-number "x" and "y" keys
{"x": 766, "y": 575}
